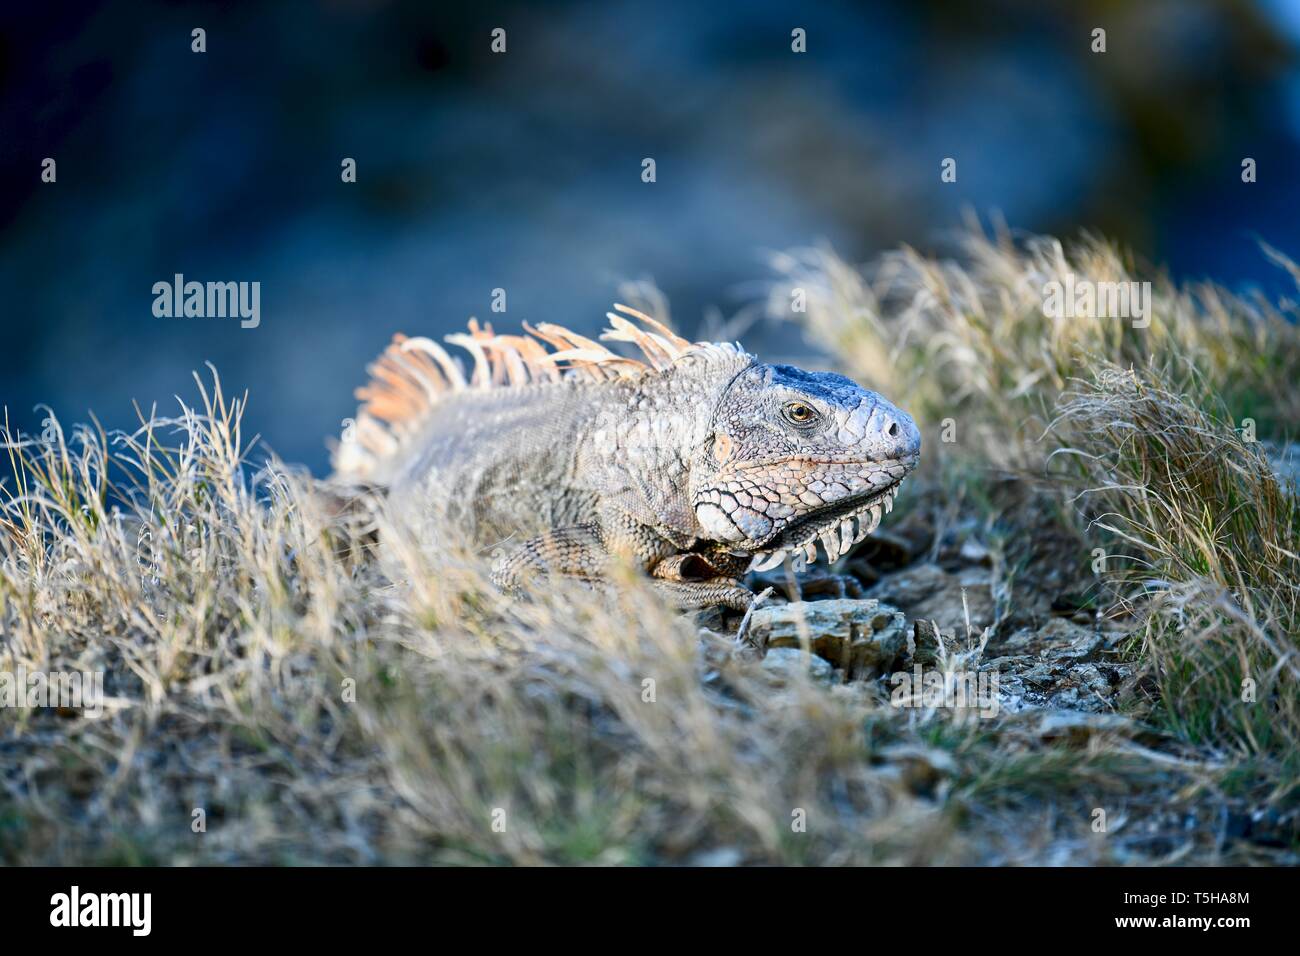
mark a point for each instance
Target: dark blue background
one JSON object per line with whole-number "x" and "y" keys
{"x": 522, "y": 171}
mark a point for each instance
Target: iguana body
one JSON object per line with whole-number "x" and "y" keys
{"x": 698, "y": 462}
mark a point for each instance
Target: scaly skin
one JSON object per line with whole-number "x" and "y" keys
{"x": 697, "y": 464}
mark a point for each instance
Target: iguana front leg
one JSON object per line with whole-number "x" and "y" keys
{"x": 576, "y": 551}
{"x": 703, "y": 580}
{"x": 727, "y": 592}
{"x": 688, "y": 579}
{"x": 583, "y": 551}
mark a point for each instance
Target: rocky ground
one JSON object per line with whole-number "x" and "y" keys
{"x": 1058, "y": 675}
{"x": 909, "y": 598}
{"x": 977, "y": 683}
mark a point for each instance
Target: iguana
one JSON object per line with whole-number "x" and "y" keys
{"x": 696, "y": 460}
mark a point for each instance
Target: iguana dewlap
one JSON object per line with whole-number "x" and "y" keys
{"x": 698, "y": 461}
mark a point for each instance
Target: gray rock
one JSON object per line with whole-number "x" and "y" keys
{"x": 929, "y": 592}
{"x": 1023, "y": 639}
{"x": 924, "y": 646}
{"x": 862, "y": 637}
{"x": 1069, "y": 641}
{"x": 782, "y": 662}
{"x": 813, "y": 582}
{"x": 886, "y": 550}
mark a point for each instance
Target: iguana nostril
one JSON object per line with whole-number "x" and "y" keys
{"x": 892, "y": 430}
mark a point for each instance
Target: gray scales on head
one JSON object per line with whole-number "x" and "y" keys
{"x": 697, "y": 461}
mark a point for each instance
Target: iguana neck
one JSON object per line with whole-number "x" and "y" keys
{"x": 641, "y": 445}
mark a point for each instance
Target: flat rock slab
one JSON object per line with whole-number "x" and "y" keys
{"x": 928, "y": 592}
{"x": 781, "y": 662}
{"x": 861, "y": 637}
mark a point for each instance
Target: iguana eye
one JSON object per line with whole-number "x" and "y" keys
{"x": 797, "y": 413}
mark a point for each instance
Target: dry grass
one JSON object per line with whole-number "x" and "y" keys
{"x": 321, "y": 708}
{"x": 970, "y": 340}
{"x": 229, "y": 630}
{"x": 1150, "y": 443}
{"x": 1207, "y": 542}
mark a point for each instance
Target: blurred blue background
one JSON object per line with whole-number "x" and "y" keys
{"x": 523, "y": 171}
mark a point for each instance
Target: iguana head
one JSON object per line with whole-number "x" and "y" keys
{"x": 794, "y": 458}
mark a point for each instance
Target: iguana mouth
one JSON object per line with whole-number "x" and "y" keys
{"x": 837, "y": 527}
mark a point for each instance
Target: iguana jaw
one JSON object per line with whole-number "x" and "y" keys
{"x": 837, "y": 527}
